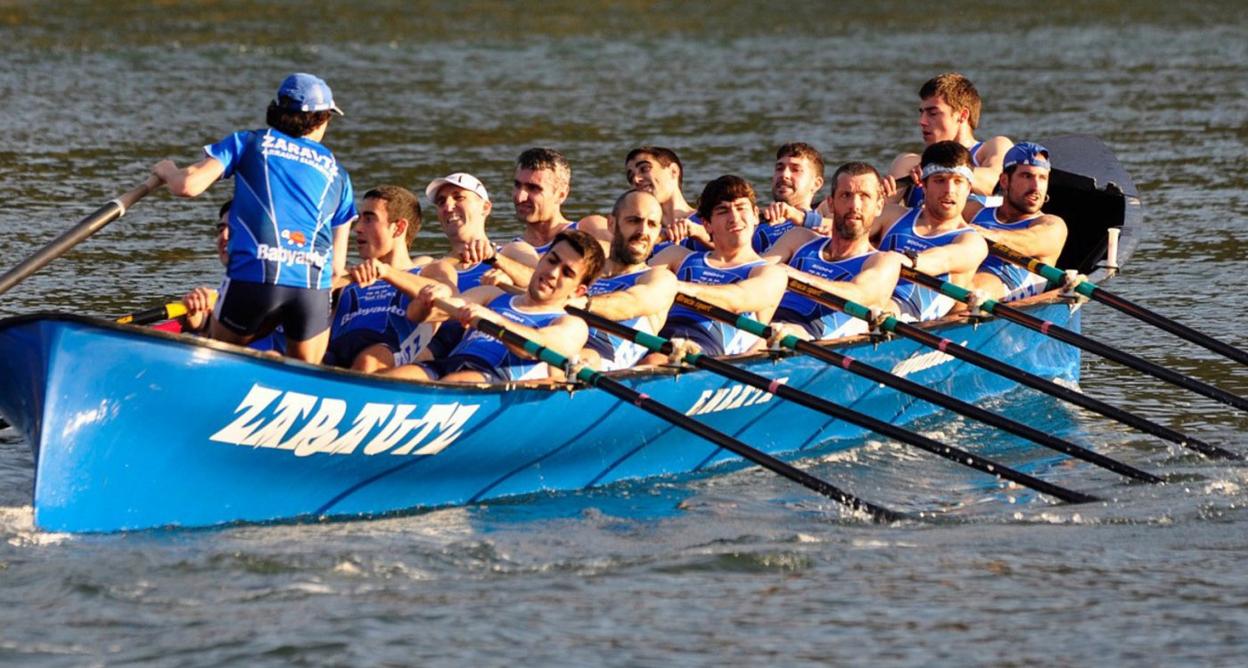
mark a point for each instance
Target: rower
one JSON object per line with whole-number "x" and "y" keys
{"x": 844, "y": 263}
{"x": 659, "y": 171}
{"x": 562, "y": 277}
{"x": 795, "y": 183}
{"x": 370, "y": 329}
{"x": 933, "y": 236}
{"x": 629, "y": 290}
{"x": 543, "y": 180}
{"x": 949, "y": 111}
{"x": 1019, "y": 224}
{"x": 731, "y": 275}
{"x": 290, "y": 221}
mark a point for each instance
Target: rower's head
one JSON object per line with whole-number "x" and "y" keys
{"x": 856, "y": 199}
{"x": 636, "y": 222}
{"x": 542, "y": 183}
{"x": 655, "y": 169}
{"x": 948, "y": 103}
{"x": 573, "y": 262}
{"x": 462, "y": 203}
{"x": 302, "y": 106}
{"x": 389, "y": 219}
{"x": 1025, "y": 177}
{"x": 798, "y": 175}
{"x": 223, "y": 232}
{"x": 946, "y": 174}
{"x": 729, "y": 208}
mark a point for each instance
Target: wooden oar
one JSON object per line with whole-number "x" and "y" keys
{"x": 912, "y": 388}
{"x": 154, "y": 314}
{"x": 662, "y": 345}
{"x": 1078, "y": 340}
{"x": 1093, "y": 291}
{"x": 93, "y": 223}
{"x": 891, "y": 324}
{"x": 675, "y": 417}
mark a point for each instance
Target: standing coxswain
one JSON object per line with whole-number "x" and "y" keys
{"x": 290, "y": 223}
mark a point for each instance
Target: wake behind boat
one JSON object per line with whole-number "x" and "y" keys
{"x": 179, "y": 431}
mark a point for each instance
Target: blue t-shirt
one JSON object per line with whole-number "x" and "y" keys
{"x": 289, "y": 194}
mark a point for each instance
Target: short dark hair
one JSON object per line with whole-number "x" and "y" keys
{"x": 800, "y": 149}
{"x": 400, "y": 203}
{"x": 293, "y": 123}
{"x": 664, "y": 156}
{"x": 852, "y": 169}
{"x": 546, "y": 158}
{"x": 225, "y": 208}
{"x": 726, "y": 188}
{"x": 590, "y": 250}
{"x": 957, "y": 91}
{"x": 946, "y": 154}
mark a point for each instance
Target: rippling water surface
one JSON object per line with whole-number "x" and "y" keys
{"x": 739, "y": 568}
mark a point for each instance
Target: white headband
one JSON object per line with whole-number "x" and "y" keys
{"x": 960, "y": 170}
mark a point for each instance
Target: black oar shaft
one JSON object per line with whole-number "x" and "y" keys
{"x": 916, "y": 390}
{"x": 1078, "y": 340}
{"x": 839, "y": 412}
{"x": 644, "y": 402}
{"x": 1017, "y": 375}
{"x": 74, "y": 235}
{"x": 1092, "y": 291}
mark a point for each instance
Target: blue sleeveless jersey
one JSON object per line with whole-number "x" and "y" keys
{"x": 617, "y": 353}
{"x": 467, "y": 279}
{"x": 714, "y": 337}
{"x": 767, "y": 234}
{"x": 1018, "y": 281}
{"x": 690, "y": 243}
{"x": 289, "y": 194}
{"x": 541, "y": 250}
{"x": 915, "y": 198}
{"x": 917, "y": 301}
{"x": 374, "y": 314}
{"x": 486, "y": 351}
{"x": 820, "y": 321}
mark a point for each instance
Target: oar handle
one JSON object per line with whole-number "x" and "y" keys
{"x": 155, "y": 314}
{"x": 86, "y": 227}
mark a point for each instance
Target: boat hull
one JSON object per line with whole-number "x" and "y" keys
{"x": 135, "y": 429}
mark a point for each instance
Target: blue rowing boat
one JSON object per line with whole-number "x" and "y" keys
{"x": 133, "y": 428}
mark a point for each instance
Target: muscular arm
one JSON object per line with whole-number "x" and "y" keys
{"x": 342, "y": 240}
{"x": 959, "y": 259}
{"x": 653, "y": 293}
{"x": 782, "y": 251}
{"x": 991, "y": 155}
{"x": 1043, "y": 239}
{"x": 760, "y": 293}
{"x": 873, "y": 286}
{"x": 191, "y": 180}
{"x": 670, "y": 257}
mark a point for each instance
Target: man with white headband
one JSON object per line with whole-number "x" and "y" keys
{"x": 949, "y": 111}
{"x": 934, "y": 237}
{"x": 1019, "y": 224}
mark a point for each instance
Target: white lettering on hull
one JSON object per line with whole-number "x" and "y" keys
{"x": 730, "y": 398}
{"x": 391, "y": 426}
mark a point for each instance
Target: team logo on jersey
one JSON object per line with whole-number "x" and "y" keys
{"x": 294, "y": 237}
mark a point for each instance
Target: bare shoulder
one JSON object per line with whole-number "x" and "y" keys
{"x": 443, "y": 271}
{"x": 993, "y": 151}
{"x": 520, "y": 251}
{"x": 482, "y": 294}
{"x": 670, "y": 257}
{"x": 596, "y": 225}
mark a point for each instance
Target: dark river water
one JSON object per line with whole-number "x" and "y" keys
{"x": 739, "y": 568}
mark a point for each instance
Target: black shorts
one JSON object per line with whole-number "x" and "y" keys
{"x": 710, "y": 346}
{"x": 344, "y": 349}
{"x": 250, "y": 309}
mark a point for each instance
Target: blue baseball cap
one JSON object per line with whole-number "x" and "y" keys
{"x": 306, "y": 92}
{"x": 1027, "y": 153}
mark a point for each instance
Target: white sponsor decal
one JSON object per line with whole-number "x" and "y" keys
{"x": 306, "y": 424}
{"x": 277, "y": 147}
{"x": 730, "y": 398}
{"x": 921, "y": 362}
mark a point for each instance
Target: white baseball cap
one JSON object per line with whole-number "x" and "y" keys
{"x": 461, "y": 179}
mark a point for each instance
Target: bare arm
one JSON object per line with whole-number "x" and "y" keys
{"x": 342, "y": 239}
{"x": 959, "y": 259}
{"x": 653, "y": 293}
{"x": 760, "y": 293}
{"x": 873, "y": 286}
{"x": 991, "y": 156}
{"x": 782, "y": 251}
{"x": 670, "y": 257}
{"x": 1043, "y": 239}
{"x": 192, "y": 180}
{"x": 566, "y": 335}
